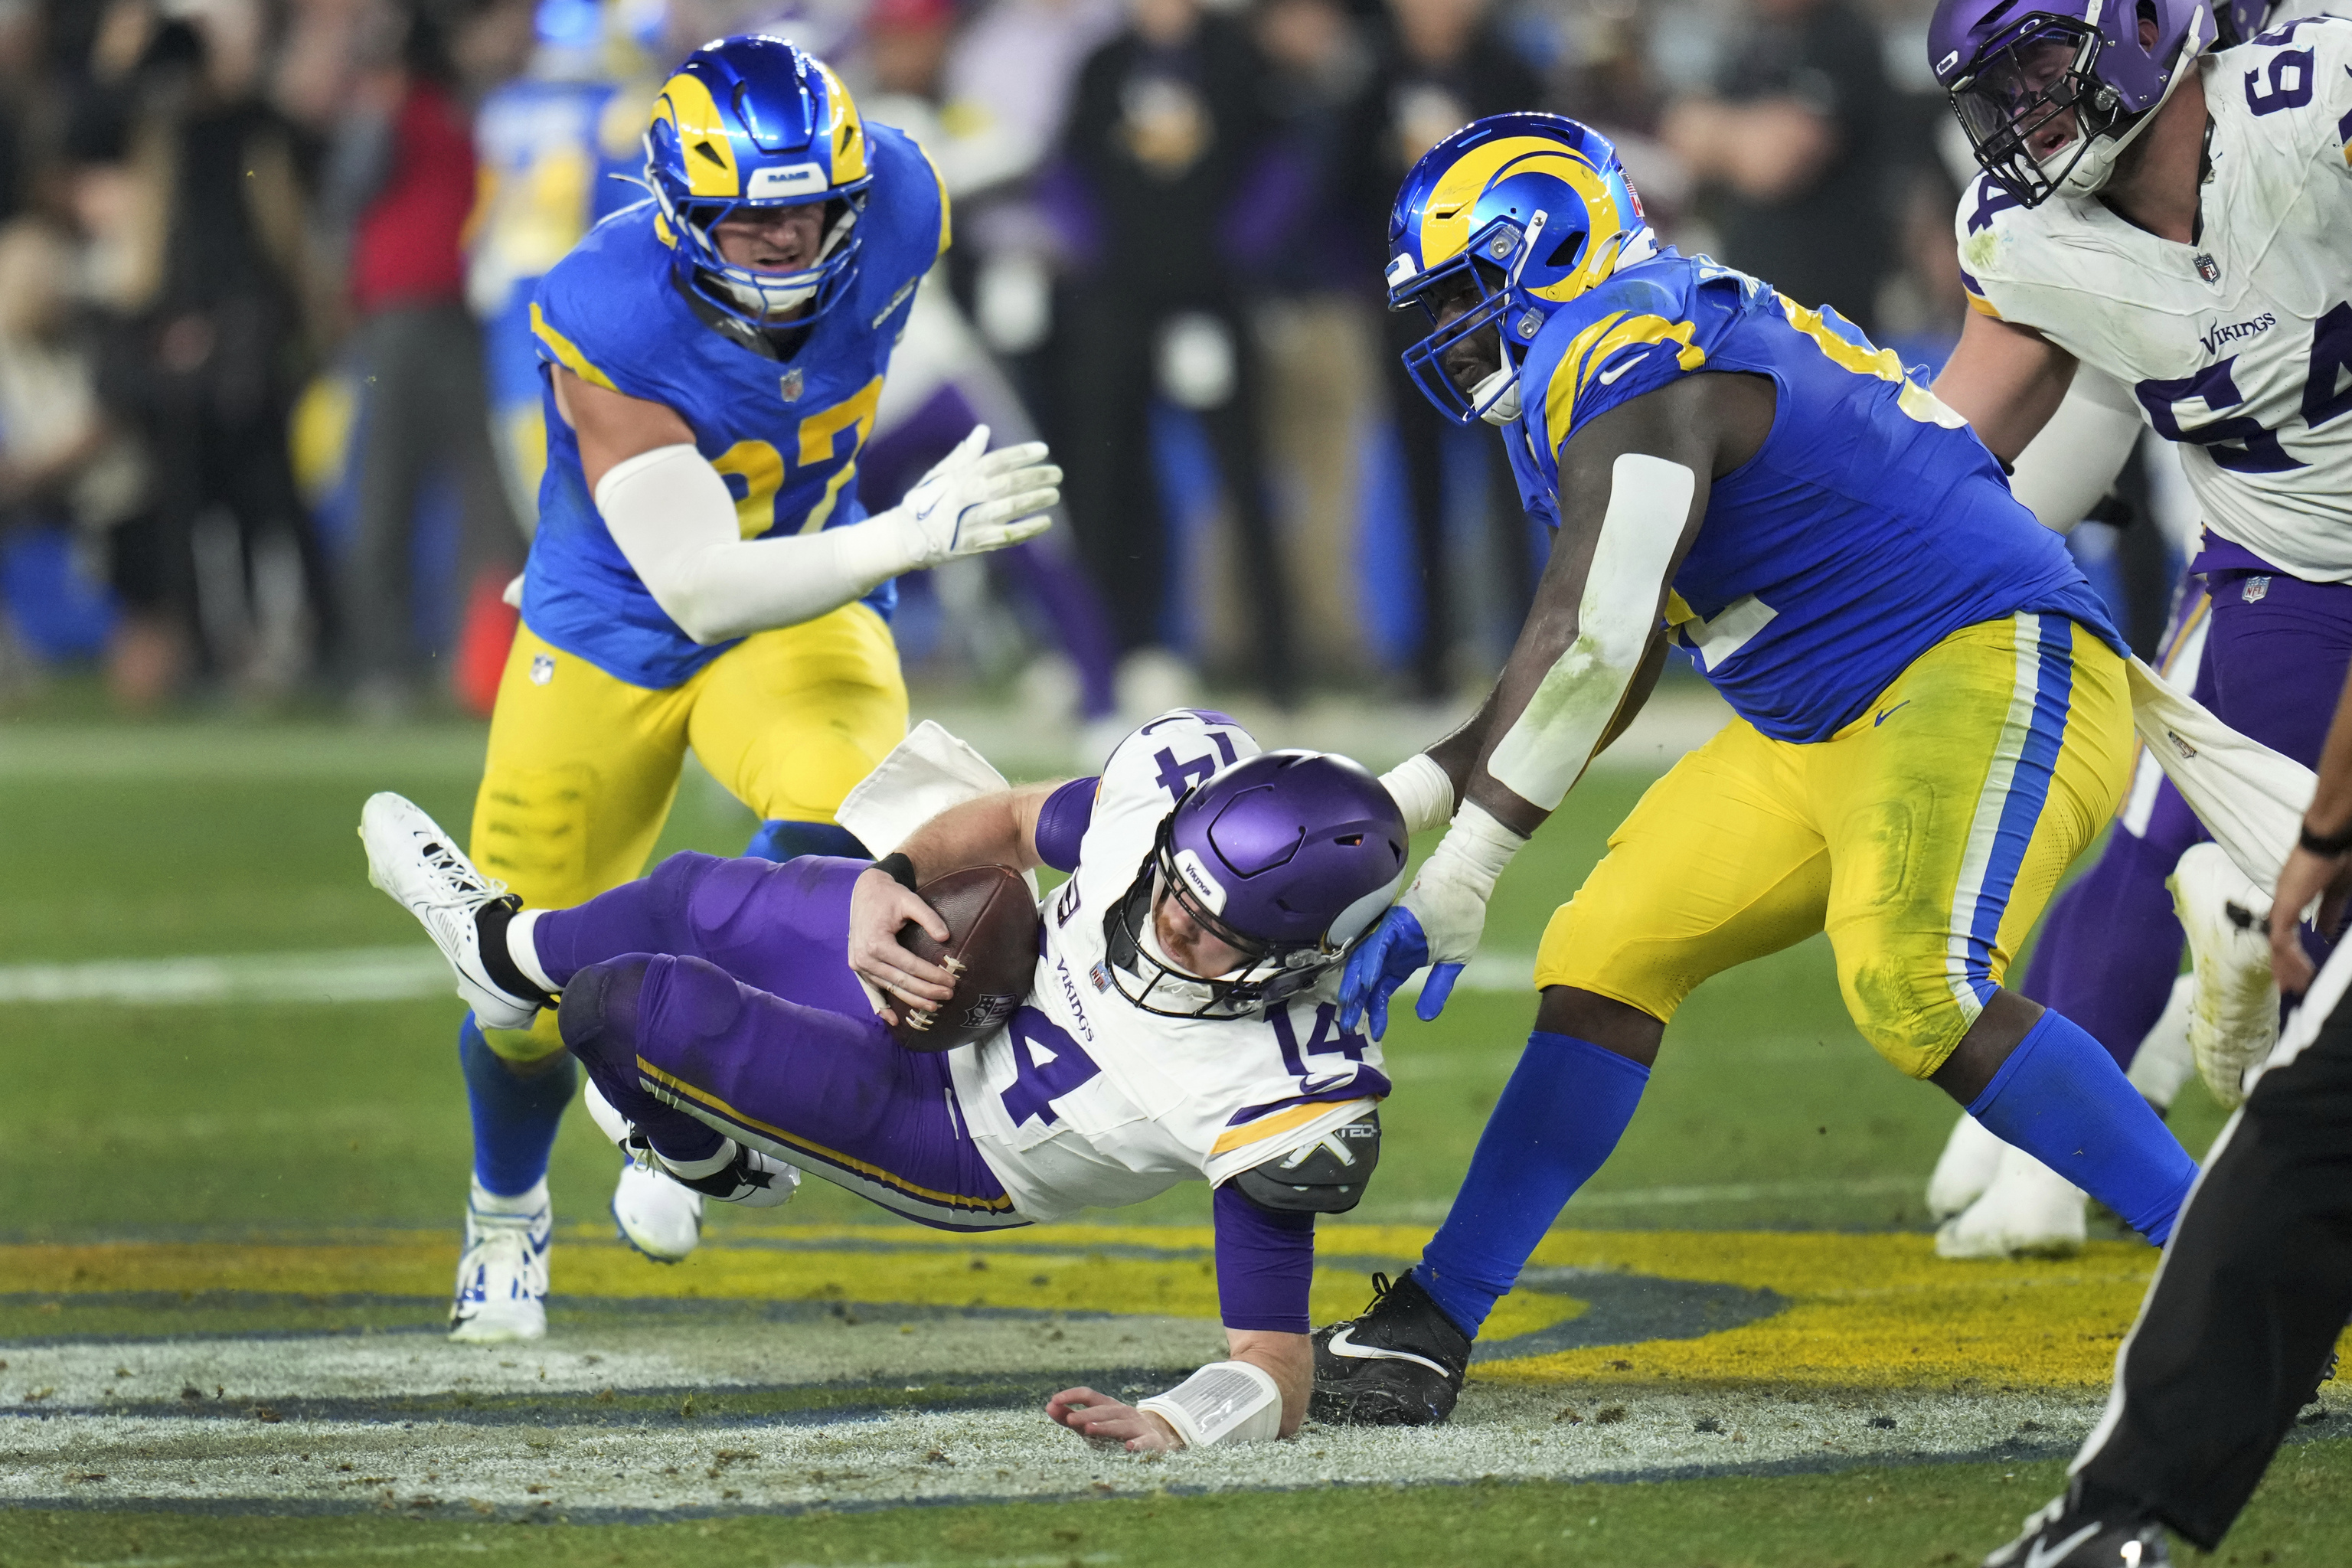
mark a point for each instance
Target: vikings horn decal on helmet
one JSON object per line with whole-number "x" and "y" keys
{"x": 1522, "y": 213}
{"x": 1286, "y": 856}
{"x": 754, "y": 121}
{"x": 2049, "y": 98}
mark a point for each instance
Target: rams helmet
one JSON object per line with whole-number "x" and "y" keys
{"x": 754, "y": 121}
{"x": 1524, "y": 212}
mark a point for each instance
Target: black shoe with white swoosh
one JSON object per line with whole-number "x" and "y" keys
{"x": 2066, "y": 1534}
{"x": 1399, "y": 1364}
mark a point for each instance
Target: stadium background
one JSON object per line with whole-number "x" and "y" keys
{"x": 236, "y": 1121}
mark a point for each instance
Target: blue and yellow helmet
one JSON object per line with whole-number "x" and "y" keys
{"x": 1525, "y": 212}
{"x": 754, "y": 121}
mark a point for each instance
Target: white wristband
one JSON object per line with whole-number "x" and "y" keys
{"x": 1476, "y": 851}
{"x": 1421, "y": 791}
{"x": 1224, "y": 1402}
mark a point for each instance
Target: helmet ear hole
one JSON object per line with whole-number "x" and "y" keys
{"x": 1564, "y": 253}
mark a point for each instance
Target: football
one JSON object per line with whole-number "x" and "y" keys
{"x": 992, "y": 948}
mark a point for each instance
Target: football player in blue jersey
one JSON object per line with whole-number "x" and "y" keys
{"x": 703, "y": 573}
{"x": 1931, "y": 717}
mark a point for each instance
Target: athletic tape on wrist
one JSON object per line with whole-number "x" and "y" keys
{"x": 1476, "y": 850}
{"x": 1224, "y": 1402}
{"x": 1423, "y": 791}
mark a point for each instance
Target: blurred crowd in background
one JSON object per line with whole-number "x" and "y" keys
{"x": 269, "y": 411}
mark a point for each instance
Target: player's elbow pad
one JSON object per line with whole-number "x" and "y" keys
{"x": 673, "y": 519}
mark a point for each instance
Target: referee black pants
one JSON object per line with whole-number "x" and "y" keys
{"x": 2253, "y": 1290}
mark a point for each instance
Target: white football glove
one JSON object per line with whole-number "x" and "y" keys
{"x": 1449, "y": 897}
{"x": 974, "y": 500}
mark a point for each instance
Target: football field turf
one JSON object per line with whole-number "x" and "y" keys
{"x": 233, "y": 1177}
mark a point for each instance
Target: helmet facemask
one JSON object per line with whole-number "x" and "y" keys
{"x": 1147, "y": 976}
{"x": 2041, "y": 114}
{"x": 1488, "y": 271}
{"x": 757, "y": 297}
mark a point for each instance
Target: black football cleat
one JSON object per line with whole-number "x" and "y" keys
{"x": 2066, "y": 1534}
{"x": 1399, "y": 1364}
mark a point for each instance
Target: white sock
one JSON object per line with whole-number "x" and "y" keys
{"x": 523, "y": 948}
{"x": 485, "y": 1201}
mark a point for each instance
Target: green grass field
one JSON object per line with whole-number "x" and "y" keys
{"x": 222, "y": 1123}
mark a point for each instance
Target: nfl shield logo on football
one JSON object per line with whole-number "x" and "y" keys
{"x": 542, "y": 670}
{"x": 2207, "y": 269}
{"x": 793, "y": 384}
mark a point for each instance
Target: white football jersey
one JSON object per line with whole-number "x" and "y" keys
{"x": 1085, "y": 1100}
{"x": 2238, "y": 347}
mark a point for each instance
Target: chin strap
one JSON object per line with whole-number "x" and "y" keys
{"x": 1497, "y": 399}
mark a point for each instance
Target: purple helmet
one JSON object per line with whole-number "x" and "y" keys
{"x": 2050, "y": 96}
{"x": 1287, "y": 856}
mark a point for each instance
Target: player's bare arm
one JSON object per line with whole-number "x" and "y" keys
{"x": 2005, "y": 381}
{"x": 1591, "y": 645}
{"x": 1289, "y": 1359}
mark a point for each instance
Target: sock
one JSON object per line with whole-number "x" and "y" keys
{"x": 494, "y": 930}
{"x": 523, "y": 947}
{"x": 779, "y": 840}
{"x": 1567, "y": 1104}
{"x": 2061, "y": 1097}
{"x": 515, "y": 1119}
{"x": 527, "y": 1203}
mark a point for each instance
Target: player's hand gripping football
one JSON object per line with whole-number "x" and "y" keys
{"x": 974, "y": 500}
{"x": 879, "y": 906}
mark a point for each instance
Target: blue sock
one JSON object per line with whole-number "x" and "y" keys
{"x": 2061, "y": 1097}
{"x": 779, "y": 840}
{"x": 515, "y": 1119}
{"x": 1567, "y": 1104}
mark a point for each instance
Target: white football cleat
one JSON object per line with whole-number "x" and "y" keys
{"x": 2029, "y": 1211}
{"x": 2233, "y": 1016}
{"x": 652, "y": 1208}
{"x": 2164, "y": 1061}
{"x": 657, "y": 1215}
{"x": 1964, "y": 1169}
{"x": 502, "y": 1274}
{"x": 410, "y": 858}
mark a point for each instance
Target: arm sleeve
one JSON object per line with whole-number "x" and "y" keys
{"x": 673, "y": 519}
{"x": 2064, "y": 470}
{"x": 1266, "y": 1261}
{"x": 1063, "y": 821}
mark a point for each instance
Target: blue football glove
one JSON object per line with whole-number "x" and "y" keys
{"x": 1389, "y": 956}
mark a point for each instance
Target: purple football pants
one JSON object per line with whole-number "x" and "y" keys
{"x": 713, "y": 997}
{"x": 2274, "y": 663}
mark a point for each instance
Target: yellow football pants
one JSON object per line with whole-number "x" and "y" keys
{"x": 582, "y": 766}
{"x": 1925, "y": 838}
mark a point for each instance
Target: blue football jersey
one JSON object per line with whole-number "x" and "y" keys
{"x": 1871, "y": 524}
{"x": 785, "y": 434}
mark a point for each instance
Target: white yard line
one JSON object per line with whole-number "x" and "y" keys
{"x": 334, "y": 975}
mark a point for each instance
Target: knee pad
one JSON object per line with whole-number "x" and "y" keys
{"x": 599, "y": 1014}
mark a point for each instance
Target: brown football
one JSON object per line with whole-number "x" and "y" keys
{"x": 992, "y": 946}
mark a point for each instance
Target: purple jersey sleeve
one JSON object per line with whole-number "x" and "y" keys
{"x": 1266, "y": 1261}
{"x": 1063, "y": 820}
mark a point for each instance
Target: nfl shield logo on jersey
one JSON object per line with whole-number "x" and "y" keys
{"x": 793, "y": 384}
{"x": 2207, "y": 269}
